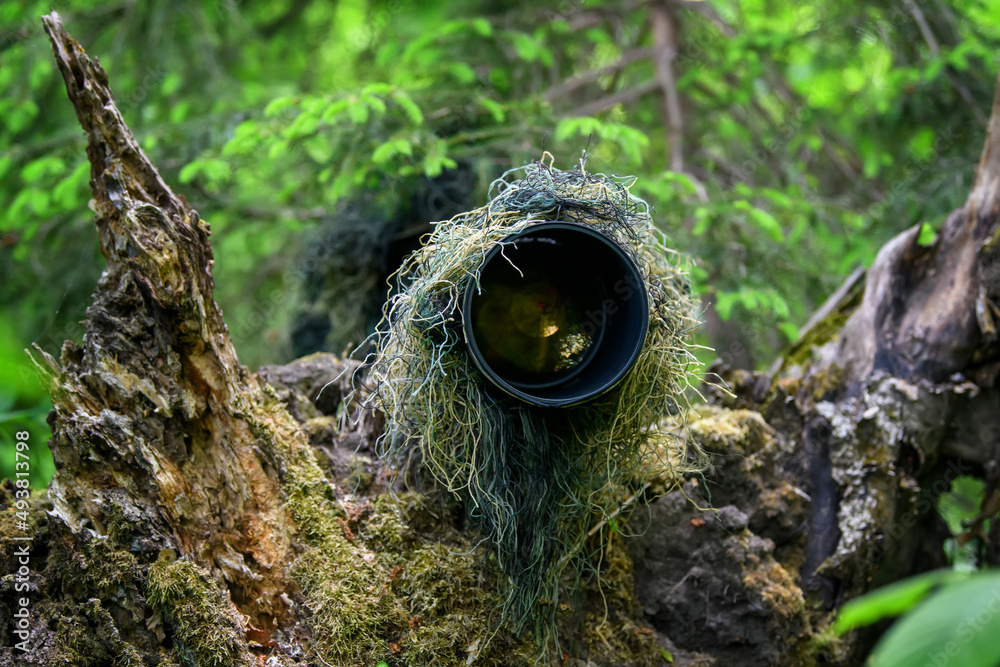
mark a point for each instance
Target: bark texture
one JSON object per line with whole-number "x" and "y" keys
{"x": 155, "y": 421}
{"x": 204, "y": 515}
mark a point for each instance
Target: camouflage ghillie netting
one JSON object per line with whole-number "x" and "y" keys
{"x": 535, "y": 480}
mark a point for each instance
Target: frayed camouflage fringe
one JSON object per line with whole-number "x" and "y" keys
{"x": 535, "y": 481}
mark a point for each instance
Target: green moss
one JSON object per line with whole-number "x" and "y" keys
{"x": 359, "y": 478}
{"x": 32, "y": 512}
{"x": 88, "y": 589}
{"x": 775, "y": 586}
{"x": 383, "y": 579}
{"x": 100, "y": 567}
{"x": 825, "y": 331}
{"x": 353, "y": 614}
{"x": 206, "y": 629}
{"x": 387, "y": 528}
{"x": 91, "y": 638}
{"x": 611, "y": 631}
{"x": 825, "y": 382}
{"x": 378, "y": 589}
{"x": 718, "y": 429}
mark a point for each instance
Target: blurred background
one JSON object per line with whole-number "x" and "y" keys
{"x": 781, "y": 143}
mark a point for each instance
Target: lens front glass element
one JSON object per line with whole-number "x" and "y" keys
{"x": 539, "y": 314}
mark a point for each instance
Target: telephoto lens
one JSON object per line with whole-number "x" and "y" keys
{"x": 558, "y": 315}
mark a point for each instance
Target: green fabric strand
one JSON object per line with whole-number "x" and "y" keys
{"x": 534, "y": 480}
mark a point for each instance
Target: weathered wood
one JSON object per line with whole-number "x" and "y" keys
{"x": 154, "y": 419}
{"x": 931, "y": 311}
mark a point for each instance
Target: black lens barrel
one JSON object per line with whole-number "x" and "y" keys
{"x": 559, "y": 314}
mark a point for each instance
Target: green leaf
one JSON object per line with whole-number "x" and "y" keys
{"x": 482, "y": 26}
{"x": 922, "y": 143}
{"x": 702, "y": 218}
{"x": 962, "y": 502}
{"x": 580, "y": 125}
{"x": 246, "y": 138}
{"x": 335, "y": 109}
{"x": 21, "y": 116}
{"x": 629, "y": 139}
{"x": 277, "y": 148}
{"x": 790, "y": 331}
{"x": 462, "y": 72}
{"x": 436, "y": 161}
{"x": 404, "y": 100}
{"x": 39, "y": 202}
{"x": 65, "y": 193}
{"x": 178, "y": 112}
{"x": 279, "y": 104}
{"x": 724, "y": 302}
{"x": 870, "y": 156}
{"x": 501, "y": 79}
{"x": 888, "y": 601}
{"x": 358, "y": 111}
{"x": 495, "y": 109}
{"x": 375, "y": 103}
{"x": 319, "y": 148}
{"x": 777, "y": 303}
{"x": 378, "y": 88}
{"x": 779, "y": 198}
{"x": 43, "y": 167}
{"x": 598, "y": 36}
{"x": 687, "y": 186}
{"x": 304, "y": 125}
{"x": 213, "y": 170}
{"x": 927, "y": 235}
{"x": 528, "y": 49}
{"x": 171, "y": 83}
{"x": 956, "y": 626}
{"x": 385, "y": 152}
{"x": 768, "y": 223}
{"x": 560, "y": 27}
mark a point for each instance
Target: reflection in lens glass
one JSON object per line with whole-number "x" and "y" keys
{"x": 540, "y": 322}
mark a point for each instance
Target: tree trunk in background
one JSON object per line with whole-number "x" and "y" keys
{"x": 201, "y": 514}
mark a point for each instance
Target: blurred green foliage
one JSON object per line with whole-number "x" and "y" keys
{"x": 950, "y": 618}
{"x": 959, "y": 508}
{"x": 811, "y": 133}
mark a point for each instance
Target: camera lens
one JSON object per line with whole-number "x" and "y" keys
{"x": 558, "y": 316}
